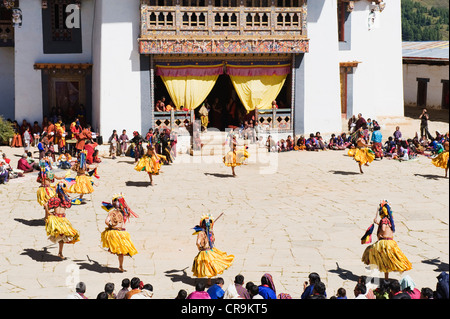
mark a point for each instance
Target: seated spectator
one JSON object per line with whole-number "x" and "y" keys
{"x": 394, "y": 287}
{"x": 320, "y": 143}
{"x": 346, "y": 140}
{"x": 267, "y": 287}
{"x": 369, "y": 292}
{"x": 332, "y": 143}
{"x": 311, "y": 143}
{"x": 426, "y": 293}
{"x": 382, "y": 291}
{"x": 360, "y": 291}
{"x": 281, "y": 145}
{"x": 408, "y": 286}
{"x": 389, "y": 147}
{"x": 23, "y": 164}
{"x": 442, "y": 289}
{"x": 436, "y": 148}
{"x": 289, "y": 143}
{"x": 301, "y": 144}
{"x": 397, "y": 134}
{"x": 254, "y": 292}
{"x": 125, "y": 286}
{"x": 4, "y": 158}
{"x": 318, "y": 291}
{"x": 271, "y": 144}
{"x": 237, "y": 286}
{"x": 182, "y": 294}
{"x": 199, "y": 292}
{"x": 308, "y": 287}
{"x": 4, "y": 172}
{"x": 135, "y": 285}
{"x": 341, "y": 294}
{"x": 216, "y": 291}
{"x": 145, "y": 293}
{"x": 109, "y": 290}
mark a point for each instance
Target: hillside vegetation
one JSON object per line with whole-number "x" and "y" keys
{"x": 425, "y": 20}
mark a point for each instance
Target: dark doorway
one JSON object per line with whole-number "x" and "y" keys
{"x": 422, "y": 91}
{"x": 445, "y": 103}
{"x": 226, "y": 108}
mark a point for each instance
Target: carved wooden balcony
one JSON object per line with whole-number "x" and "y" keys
{"x": 223, "y": 26}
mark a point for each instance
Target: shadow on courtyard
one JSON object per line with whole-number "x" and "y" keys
{"x": 344, "y": 274}
{"x": 344, "y": 173}
{"x": 218, "y": 175}
{"x": 41, "y": 255}
{"x": 94, "y": 266}
{"x": 128, "y": 162}
{"x": 440, "y": 266}
{"x": 181, "y": 276}
{"x": 32, "y": 222}
{"x": 137, "y": 184}
{"x": 431, "y": 176}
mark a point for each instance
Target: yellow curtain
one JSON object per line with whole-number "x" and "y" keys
{"x": 258, "y": 92}
{"x": 189, "y": 91}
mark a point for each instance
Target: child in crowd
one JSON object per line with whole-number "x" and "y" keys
{"x": 113, "y": 142}
{"x": 123, "y": 139}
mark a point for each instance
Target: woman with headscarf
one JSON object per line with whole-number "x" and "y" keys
{"x": 57, "y": 226}
{"x": 408, "y": 286}
{"x": 209, "y": 261}
{"x": 267, "y": 287}
{"x": 385, "y": 253}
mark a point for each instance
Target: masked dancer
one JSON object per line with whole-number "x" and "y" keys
{"x": 209, "y": 261}
{"x": 385, "y": 253}
{"x": 442, "y": 159}
{"x": 115, "y": 237}
{"x": 83, "y": 181}
{"x": 150, "y": 162}
{"x": 235, "y": 157}
{"x": 59, "y": 229}
{"x": 362, "y": 154}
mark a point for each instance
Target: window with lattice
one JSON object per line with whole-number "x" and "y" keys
{"x": 60, "y": 31}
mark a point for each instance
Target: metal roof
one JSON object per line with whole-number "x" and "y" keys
{"x": 426, "y": 50}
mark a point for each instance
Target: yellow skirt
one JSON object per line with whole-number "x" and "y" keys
{"x": 362, "y": 155}
{"x": 441, "y": 160}
{"x": 232, "y": 159}
{"x": 44, "y": 193}
{"x": 386, "y": 256}
{"x": 151, "y": 165}
{"x": 118, "y": 242}
{"x": 60, "y": 229}
{"x": 210, "y": 263}
{"x": 299, "y": 148}
{"x": 83, "y": 185}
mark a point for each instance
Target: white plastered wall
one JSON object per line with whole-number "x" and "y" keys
{"x": 377, "y": 80}
{"x": 116, "y": 74}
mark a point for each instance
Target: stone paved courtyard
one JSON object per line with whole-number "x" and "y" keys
{"x": 307, "y": 215}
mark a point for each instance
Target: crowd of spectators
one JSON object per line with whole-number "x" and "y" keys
{"x": 313, "y": 288}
